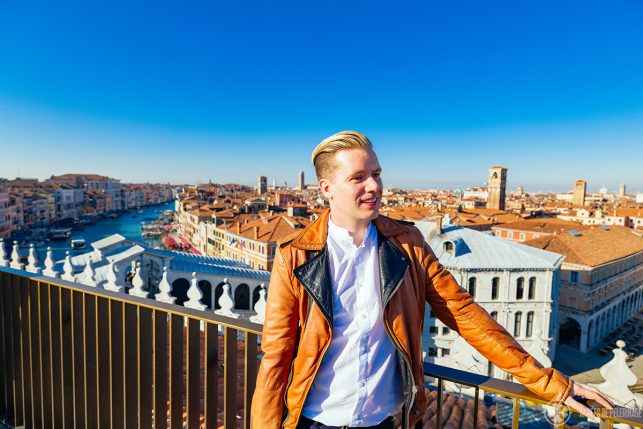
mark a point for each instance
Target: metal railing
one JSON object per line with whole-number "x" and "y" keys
{"x": 78, "y": 356}
{"x": 517, "y": 393}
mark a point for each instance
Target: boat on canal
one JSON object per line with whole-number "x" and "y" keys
{"x": 78, "y": 243}
{"x": 59, "y": 233}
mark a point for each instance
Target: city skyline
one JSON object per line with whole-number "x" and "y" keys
{"x": 198, "y": 96}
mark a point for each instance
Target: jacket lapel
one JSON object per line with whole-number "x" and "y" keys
{"x": 314, "y": 276}
{"x": 393, "y": 265}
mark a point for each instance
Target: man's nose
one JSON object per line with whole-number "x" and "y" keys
{"x": 373, "y": 185}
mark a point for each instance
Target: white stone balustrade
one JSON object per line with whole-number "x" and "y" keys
{"x": 164, "y": 289}
{"x": 15, "y": 257}
{"x": 89, "y": 275}
{"x": 68, "y": 269}
{"x": 260, "y": 306}
{"x": 226, "y": 303}
{"x": 50, "y": 265}
{"x": 4, "y": 262}
{"x": 137, "y": 282}
{"x": 195, "y": 295}
{"x": 113, "y": 282}
{"x": 32, "y": 265}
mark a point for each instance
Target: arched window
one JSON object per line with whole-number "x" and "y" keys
{"x": 494, "y": 315}
{"x": 531, "y": 292}
{"x": 495, "y": 285}
{"x": 448, "y": 246}
{"x": 530, "y": 323}
{"x": 472, "y": 286}
{"x": 517, "y": 322}
{"x": 520, "y": 287}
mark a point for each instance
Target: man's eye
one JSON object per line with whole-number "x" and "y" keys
{"x": 358, "y": 178}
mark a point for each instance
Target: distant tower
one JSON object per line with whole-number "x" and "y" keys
{"x": 520, "y": 191}
{"x": 580, "y": 188}
{"x": 301, "y": 180}
{"x": 497, "y": 188}
{"x": 262, "y": 185}
{"x": 621, "y": 190}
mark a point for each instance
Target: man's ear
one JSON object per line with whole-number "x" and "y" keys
{"x": 325, "y": 187}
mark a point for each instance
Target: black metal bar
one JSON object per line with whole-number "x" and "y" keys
{"x": 193, "y": 374}
{"x": 250, "y": 375}
{"x": 35, "y": 353}
{"x": 103, "y": 363}
{"x": 91, "y": 352}
{"x": 145, "y": 368}
{"x": 229, "y": 377}
{"x": 211, "y": 372}
{"x": 67, "y": 354}
{"x": 5, "y": 377}
{"x": 22, "y": 339}
{"x": 78, "y": 358}
{"x": 117, "y": 357}
{"x": 131, "y": 366}
{"x": 18, "y": 379}
{"x": 44, "y": 308}
{"x": 176, "y": 372}
{"x": 58, "y": 395}
{"x": 160, "y": 369}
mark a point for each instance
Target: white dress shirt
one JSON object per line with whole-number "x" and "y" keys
{"x": 358, "y": 382}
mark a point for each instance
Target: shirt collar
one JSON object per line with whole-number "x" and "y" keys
{"x": 342, "y": 236}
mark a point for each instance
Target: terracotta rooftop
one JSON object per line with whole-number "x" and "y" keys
{"x": 592, "y": 246}
{"x": 544, "y": 225}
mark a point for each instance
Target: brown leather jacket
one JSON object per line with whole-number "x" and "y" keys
{"x": 411, "y": 275}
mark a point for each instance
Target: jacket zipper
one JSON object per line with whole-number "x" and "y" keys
{"x": 315, "y": 372}
{"x": 414, "y": 389}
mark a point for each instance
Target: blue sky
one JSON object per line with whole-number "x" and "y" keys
{"x": 197, "y": 90}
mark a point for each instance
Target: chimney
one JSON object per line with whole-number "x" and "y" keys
{"x": 255, "y": 229}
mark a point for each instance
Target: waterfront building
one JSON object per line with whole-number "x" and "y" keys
{"x": 5, "y": 221}
{"x": 601, "y": 281}
{"x": 254, "y": 242}
{"x": 517, "y": 285}
{"x": 580, "y": 189}
{"x": 70, "y": 202}
{"x": 92, "y": 182}
{"x": 497, "y": 188}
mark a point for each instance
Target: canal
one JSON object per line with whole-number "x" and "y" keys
{"x": 128, "y": 225}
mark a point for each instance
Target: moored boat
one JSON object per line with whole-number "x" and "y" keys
{"x": 78, "y": 243}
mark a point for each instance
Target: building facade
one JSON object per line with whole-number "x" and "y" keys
{"x": 517, "y": 286}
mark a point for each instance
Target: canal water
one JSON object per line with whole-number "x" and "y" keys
{"x": 128, "y": 225}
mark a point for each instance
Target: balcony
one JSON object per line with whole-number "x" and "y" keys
{"x": 79, "y": 356}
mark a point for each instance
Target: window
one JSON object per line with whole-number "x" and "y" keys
{"x": 446, "y": 331}
{"x": 472, "y": 287}
{"x": 517, "y": 322}
{"x": 431, "y": 314}
{"x": 433, "y": 351}
{"x": 531, "y": 293}
{"x": 530, "y": 323}
{"x": 520, "y": 287}
{"x": 494, "y": 315}
{"x": 433, "y": 329}
{"x": 495, "y": 284}
{"x": 446, "y": 352}
{"x": 448, "y": 246}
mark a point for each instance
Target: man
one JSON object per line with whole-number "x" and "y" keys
{"x": 345, "y": 310}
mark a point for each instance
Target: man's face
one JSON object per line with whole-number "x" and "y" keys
{"x": 355, "y": 190}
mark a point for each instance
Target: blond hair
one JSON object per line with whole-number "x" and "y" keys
{"x": 323, "y": 156}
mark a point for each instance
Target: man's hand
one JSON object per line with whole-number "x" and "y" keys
{"x": 589, "y": 392}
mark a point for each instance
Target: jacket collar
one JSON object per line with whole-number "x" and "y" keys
{"x": 313, "y": 237}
